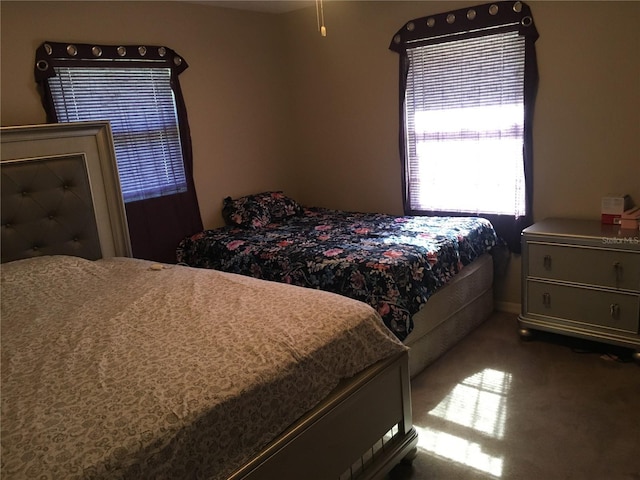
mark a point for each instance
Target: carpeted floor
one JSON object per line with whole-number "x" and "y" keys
{"x": 497, "y": 407}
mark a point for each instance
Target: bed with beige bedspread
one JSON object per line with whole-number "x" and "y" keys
{"x": 113, "y": 369}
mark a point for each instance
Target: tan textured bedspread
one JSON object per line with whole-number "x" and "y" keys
{"x": 113, "y": 370}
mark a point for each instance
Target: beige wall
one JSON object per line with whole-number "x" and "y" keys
{"x": 321, "y": 116}
{"x": 587, "y": 118}
{"x": 233, "y": 88}
{"x": 587, "y": 123}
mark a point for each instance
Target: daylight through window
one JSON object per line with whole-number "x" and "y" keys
{"x": 140, "y": 105}
{"x": 464, "y": 124}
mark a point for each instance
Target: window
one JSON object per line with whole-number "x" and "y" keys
{"x": 137, "y": 89}
{"x": 468, "y": 80}
{"x": 140, "y": 105}
{"x": 464, "y": 113}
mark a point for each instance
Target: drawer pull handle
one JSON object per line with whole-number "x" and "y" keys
{"x": 547, "y": 262}
{"x": 546, "y": 299}
{"x": 617, "y": 267}
{"x": 614, "y": 310}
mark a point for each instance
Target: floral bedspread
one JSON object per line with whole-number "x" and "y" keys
{"x": 392, "y": 263}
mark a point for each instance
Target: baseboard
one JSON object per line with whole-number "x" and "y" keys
{"x": 507, "y": 307}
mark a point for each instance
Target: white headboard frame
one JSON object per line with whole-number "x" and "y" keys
{"x": 77, "y": 208}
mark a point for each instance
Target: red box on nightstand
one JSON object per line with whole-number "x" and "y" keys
{"x": 612, "y": 208}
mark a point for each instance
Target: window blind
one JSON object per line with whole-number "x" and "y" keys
{"x": 140, "y": 105}
{"x": 464, "y": 125}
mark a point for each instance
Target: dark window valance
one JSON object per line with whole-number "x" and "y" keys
{"x": 55, "y": 54}
{"x": 464, "y": 23}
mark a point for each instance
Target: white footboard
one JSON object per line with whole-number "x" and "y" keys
{"x": 361, "y": 430}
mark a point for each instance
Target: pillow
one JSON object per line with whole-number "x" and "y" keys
{"x": 278, "y": 205}
{"x": 256, "y": 211}
{"x": 245, "y": 213}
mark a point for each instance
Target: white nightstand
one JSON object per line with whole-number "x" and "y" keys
{"x": 581, "y": 278}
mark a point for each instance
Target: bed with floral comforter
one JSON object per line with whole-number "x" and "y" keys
{"x": 393, "y": 263}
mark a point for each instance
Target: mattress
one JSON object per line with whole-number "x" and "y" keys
{"x": 114, "y": 369}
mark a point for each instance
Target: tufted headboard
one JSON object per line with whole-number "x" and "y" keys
{"x": 60, "y": 192}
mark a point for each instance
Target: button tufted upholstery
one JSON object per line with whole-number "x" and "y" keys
{"x": 47, "y": 209}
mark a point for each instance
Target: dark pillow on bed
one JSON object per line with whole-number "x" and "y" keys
{"x": 245, "y": 213}
{"x": 256, "y": 211}
{"x": 278, "y": 205}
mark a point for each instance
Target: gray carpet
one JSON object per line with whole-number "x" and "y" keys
{"x": 497, "y": 407}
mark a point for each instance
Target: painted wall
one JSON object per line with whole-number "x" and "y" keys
{"x": 587, "y": 123}
{"x": 233, "y": 88}
{"x": 587, "y": 117}
{"x": 274, "y": 105}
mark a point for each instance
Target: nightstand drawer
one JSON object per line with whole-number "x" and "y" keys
{"x": 598, "y": 267}
{"x": 602, "y": 308}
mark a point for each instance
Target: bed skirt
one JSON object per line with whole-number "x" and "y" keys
{"x": 451, "y": 313}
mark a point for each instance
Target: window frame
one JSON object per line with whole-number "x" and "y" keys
{"x": 414, "y": 94}
{"x": 70, "y": 88}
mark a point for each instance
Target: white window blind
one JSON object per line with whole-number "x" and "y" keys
{"x": 140, "y": 105}
{"x": 464, "y": 124}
